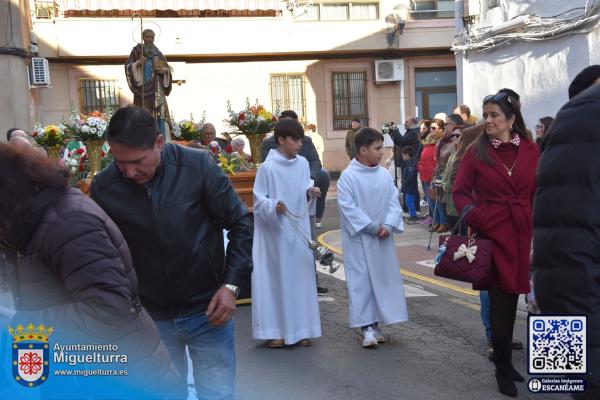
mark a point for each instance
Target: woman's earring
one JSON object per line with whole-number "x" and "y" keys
{"x": 510, "y": 128}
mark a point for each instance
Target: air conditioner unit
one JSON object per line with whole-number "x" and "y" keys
{"x": 40, "y": 73}
{"x": 389, "y": 70}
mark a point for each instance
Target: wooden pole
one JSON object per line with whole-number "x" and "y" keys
{"x": 143, "y": 55}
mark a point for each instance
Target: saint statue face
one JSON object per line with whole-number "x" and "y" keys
{"x": 149, "y": 39}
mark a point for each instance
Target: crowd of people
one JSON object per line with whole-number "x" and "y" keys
{"x": 143, "y": 261}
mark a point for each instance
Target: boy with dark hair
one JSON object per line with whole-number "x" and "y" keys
{"x": 367, "y": 223}
{"x": 410, "y": 187}
{"x": 289, "y": 114}
{"x": 285, "y": 309}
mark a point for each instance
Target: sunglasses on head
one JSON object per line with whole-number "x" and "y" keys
{"x": 497, "y": 97}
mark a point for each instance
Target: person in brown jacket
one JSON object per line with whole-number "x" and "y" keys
{"x": 350, "y": 148}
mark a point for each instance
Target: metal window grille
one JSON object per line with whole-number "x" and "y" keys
{"x": 98, "y": 95}
{"x": 349, "y": 99}
{"x": 287, "y": 92}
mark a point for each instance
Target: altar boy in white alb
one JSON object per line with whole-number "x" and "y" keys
{"x": 370, "y": 213}
{"x": 285, "y": 308}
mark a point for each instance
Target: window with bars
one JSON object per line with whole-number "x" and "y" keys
{"x": 349, "y": 99}
{"x": 287, "y": 92}
{"x": 98, "y": 95}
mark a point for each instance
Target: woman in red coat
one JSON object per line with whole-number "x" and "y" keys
{"x": 497, "y": 177}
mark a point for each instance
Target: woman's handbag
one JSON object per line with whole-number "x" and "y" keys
{"x": 465, "y": 258}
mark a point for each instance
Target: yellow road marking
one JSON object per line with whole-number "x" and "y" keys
{"x": 322, "y": 242}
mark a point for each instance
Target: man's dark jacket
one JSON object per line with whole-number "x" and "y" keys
{"x": 410, "y": 138}
{"x": 307, "y": 151}
{"x": 174, "y": 228}
{"x": 566, "y": 219}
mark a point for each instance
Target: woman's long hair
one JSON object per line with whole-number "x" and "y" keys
{"x": 23, "y": 174}
{"x": 509, "y": 107}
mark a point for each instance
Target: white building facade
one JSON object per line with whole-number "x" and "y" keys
{"x": 319, "y": 58}
{"x": 534, "y": 47}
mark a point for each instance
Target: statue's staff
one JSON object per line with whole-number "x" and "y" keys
{"x": 143, "y": 54}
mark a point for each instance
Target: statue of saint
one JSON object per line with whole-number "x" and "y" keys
{"x": 149, "y": 77}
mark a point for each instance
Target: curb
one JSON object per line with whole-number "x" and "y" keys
{"x": 470, "y": 292}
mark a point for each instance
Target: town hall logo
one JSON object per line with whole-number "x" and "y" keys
{"x": 30, "y": 359}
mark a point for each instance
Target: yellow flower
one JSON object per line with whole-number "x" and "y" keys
{"x": 51, "y": 130}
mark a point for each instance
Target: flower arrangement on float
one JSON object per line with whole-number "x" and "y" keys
{"x": 252, "y": 120}
{"x": 229, "y": 161}
{"x": 50, "y": 137}
{"x": 91, "y": 130}
{"x": 88, "y": 127}
{"x": 188, "y": 130}
{"x": 255, "y": 122}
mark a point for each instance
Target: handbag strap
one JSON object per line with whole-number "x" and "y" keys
{"x": 463, "y": 214}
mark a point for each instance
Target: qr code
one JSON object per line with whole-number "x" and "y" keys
{"x": 557, "y": 344}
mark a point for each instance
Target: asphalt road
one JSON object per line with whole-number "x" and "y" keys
{"x": 438, "y": 354}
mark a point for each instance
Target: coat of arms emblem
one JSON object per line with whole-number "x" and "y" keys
{"x": 30, "y": 359}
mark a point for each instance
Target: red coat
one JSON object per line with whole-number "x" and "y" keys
{"x": 427, "y": 162}
{"x": 502, "y": 212}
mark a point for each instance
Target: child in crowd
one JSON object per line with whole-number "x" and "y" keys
{"x": 410, "y": 186}
{"x": 285, "y": 308}
{"x": 368, "y": 222}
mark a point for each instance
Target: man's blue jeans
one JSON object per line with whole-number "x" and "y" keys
{"x": 212, "y": 352}
{"x": 484, "y": 299}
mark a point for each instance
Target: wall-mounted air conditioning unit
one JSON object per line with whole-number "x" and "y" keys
{"x": 389, "y": 70}
{"x": 40, "y": 73}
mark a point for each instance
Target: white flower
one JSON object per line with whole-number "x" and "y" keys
{"x": 93, "y": 130}
{"x": 214, "y": 143}
{"x": 85, "y": 128}
{"x": 260, "y": 118}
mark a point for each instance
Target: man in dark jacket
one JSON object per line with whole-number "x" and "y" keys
{"x": 172, "y": 204}
{"x": 566, "y": 254}
{"x": 410, "y": 138}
